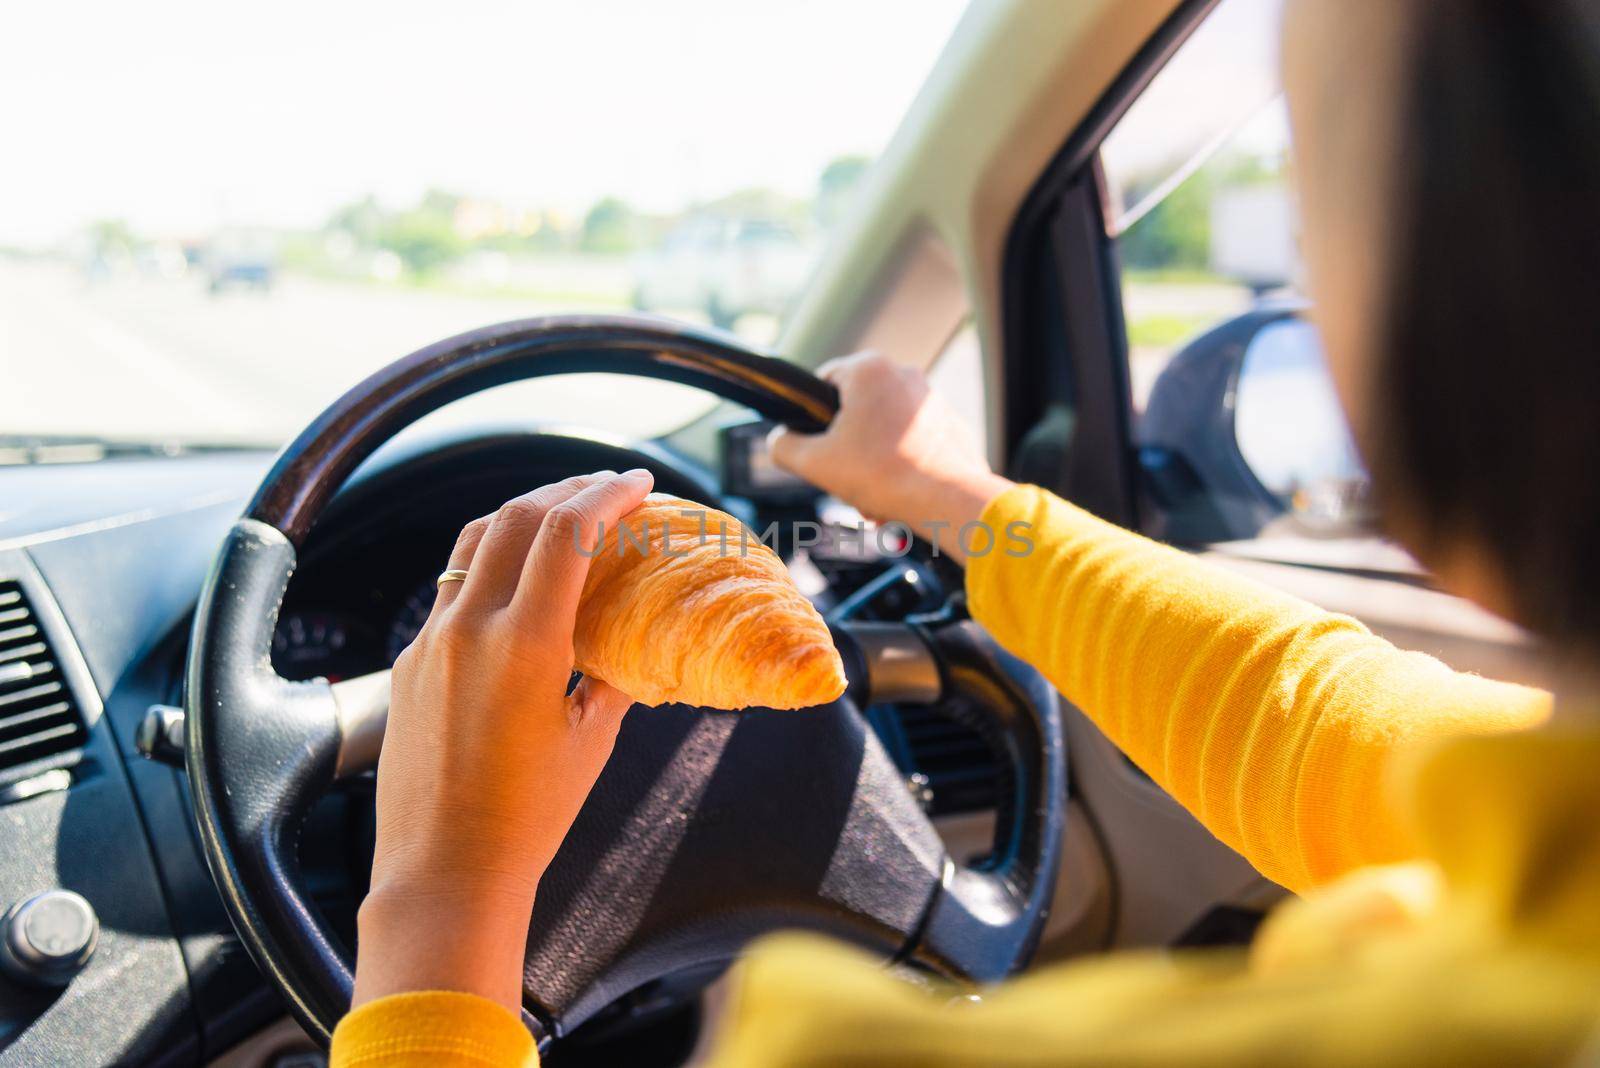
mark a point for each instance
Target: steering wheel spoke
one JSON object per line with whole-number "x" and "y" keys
{"x": 259, "y": 750}
{"x": 361, "y": 707}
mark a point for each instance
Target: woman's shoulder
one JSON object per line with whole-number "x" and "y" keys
{"x": 801, "y": 1000}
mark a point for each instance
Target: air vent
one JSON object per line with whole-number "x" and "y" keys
{"x": 963, "y": 772}
{"x": 38, "y": 718}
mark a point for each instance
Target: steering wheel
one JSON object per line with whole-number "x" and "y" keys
{"x": 706, "y": 829}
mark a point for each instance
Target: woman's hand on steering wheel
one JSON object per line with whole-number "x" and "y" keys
{"x": 896, "y": 451}
{"x": 488, "y": 759}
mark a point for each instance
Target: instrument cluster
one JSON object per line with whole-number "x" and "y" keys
{"x": 354, "y": 606}
{"x": 339, "y": 644}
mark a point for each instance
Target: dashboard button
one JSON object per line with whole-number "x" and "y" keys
{"x": 48, "y": 938}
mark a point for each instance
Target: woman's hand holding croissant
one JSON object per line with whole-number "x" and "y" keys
{"x": 487, "y": 759}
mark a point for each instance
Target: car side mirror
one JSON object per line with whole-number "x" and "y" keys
{"x": 1292, "y": 433}
{"x": 1243, "y": 429}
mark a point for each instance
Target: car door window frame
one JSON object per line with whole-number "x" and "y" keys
{"x": 1067, "y": 407}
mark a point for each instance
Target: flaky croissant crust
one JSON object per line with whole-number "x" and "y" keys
{"x": 683, "y": 604}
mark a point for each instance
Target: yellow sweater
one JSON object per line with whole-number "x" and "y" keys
{"x": 1453, "y": 890}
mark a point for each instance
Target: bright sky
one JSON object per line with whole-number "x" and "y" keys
{"x": 1224, "y": 74}
{"x": 180, "y": 115}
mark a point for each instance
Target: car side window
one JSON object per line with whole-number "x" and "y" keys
{"x": 1239, "y": 432}
{"x": 956, "y": 375}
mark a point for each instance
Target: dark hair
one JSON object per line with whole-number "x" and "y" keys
{"x": 1487, "y": 387}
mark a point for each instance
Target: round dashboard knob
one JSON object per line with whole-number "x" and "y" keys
{"x": 48, "y": 938}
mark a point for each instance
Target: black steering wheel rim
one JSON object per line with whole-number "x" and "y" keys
{"x": 319, "y": 460}
{"x": 260, "y": 748}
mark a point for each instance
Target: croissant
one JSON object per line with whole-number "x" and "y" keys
{"x": 684, "y": 604}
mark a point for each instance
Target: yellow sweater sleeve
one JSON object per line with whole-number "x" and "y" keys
{"x": 1269, "y": 719}
{"x": 432, "y": 1029}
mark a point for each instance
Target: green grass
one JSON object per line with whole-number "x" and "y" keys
{"x": 1161, "y": 331}
{"x": 1173, "y": 276}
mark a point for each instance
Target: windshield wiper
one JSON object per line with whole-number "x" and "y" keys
{"x": 23, "y": 449}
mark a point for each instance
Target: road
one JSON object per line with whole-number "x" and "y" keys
{"x": 147, "y": 358}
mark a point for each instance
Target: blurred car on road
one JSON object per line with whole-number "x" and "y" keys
{"x": 725, "y": 267}
{"x": 240, "y": 258}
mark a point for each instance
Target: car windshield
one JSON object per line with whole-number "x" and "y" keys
{"x": 218, "y": 219}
